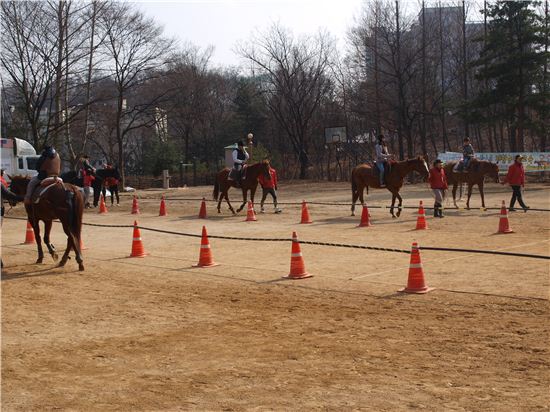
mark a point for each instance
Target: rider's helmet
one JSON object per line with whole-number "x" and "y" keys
{"x": 240, "y": 143}
{"x": 49, "y": 152}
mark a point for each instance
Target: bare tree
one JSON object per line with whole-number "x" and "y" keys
{"x": 293, "y": 74}
{"x": 136, "y": 51}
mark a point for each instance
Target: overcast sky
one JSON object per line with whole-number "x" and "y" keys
{"x": 222, "y": 23}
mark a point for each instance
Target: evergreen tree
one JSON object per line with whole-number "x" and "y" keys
{"x": 512, "y": 62}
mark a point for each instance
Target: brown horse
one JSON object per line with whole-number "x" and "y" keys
{"x": 363, "y": 176}
{"x": 475, "y": 176}
{"x": 250, "y": 182}
{"x": 62, "y": 201}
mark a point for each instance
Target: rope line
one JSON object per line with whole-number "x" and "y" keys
{"x": 347, "y": 204}
{"x": 317, "y": 243}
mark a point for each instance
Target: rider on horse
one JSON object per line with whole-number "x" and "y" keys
{"x": 382, "y": 156}
{"x": 467, "y": 155}
{"x": 49, "y": 164}
{"x": 85, "y": 166}
{"x": 240, "y": 156}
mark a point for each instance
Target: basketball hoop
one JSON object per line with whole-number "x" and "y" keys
{"x": 334, "y": 135}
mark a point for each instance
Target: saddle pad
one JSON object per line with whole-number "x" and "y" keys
{"x": 50, "y": 181}
{"x": 41, "y": 188}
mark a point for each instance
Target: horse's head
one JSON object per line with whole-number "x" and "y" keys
{"x": 493, "y": 171}
{"x": 264, "y": 168}
{"x": 18, "y": 184}
{"x": 419, "y": 165}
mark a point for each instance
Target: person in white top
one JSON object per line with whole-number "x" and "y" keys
{"x": 240, "y": 157}
{"x": 382, "y": 155}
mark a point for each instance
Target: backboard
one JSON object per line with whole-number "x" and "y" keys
{"x": 335, "y": 134}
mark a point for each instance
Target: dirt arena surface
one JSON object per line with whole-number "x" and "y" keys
{"x": 157, "y": 334}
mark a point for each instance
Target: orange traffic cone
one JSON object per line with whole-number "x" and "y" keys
{"x": 305, "y": 213}
{"x": 250, "y": 215}
{"x": 162, "y": 211}
{"x": 29, "y": 235}
{"x": 365, "y": 217}
{"x": 297, "y": 266}
{"x": 202, "y": 211}
{"x": 205, "y": 257}
{"x": 503, "y": 224}
{"x": 102, "y": 207}
{"x": 416, "y": 283}
{"x": 421, "y": 223}
{"x": 135, "y": 207}
{"x": 137, "y": 245}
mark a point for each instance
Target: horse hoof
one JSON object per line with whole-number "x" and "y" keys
{"x": 55, "y": 257}
{"x": 61, "y": 264}
{"x": 81, "y": 267}
{"x": 39, "y": 260}
{"x": 393, "y": 216}
{"x": 353, "y": 213}
{"x": 398, "y": 214}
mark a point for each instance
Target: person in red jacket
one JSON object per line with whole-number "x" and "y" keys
{"x": 2, "y": 180}
{"x": 438, "y": 183}
{"x": 87, "y": 180}
{"x": 516, "y": 179}
{"x": 269, "y": 187}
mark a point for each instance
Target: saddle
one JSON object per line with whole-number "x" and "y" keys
{"x": 387, "y": 167}
{"x": 237, "y": 175}
{"x": 473, "y": 166}
{"x": 43, "y": 187}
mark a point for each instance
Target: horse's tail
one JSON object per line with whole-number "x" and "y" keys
{"x": 216, "y": 190}
{"x": 78, "y": 210}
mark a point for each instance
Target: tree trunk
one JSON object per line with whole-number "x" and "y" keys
{"x": 89, "y": 79}
{"x": 59, "y": 72}
{"x": 465, "y": 70}
{"x": 546, "y": 103}
{"x": 423, "y": 131}
{"x": 446, "y": 144}
{"x": 399, "y": 85}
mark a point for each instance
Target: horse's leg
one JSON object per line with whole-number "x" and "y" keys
{"x": 354, "y": 196}
{"x": 361, "y": 196}
{"x": 400, "y": 204}
{"x": 470, "y": 186}
{"x": 252, "y": 193}
{"x": 454, "y": 194}
{"x": 51, "y": 248}
{"x": 392, "y": 205}
{"x": 36, "y": 229}
{"x": 480, "y": 187}
{"x": 65, "y": 256}
{"x": 73, "y": 242}
{"x": 244, "y": 200}
{"x": 228, "y": 202}
{"x": 220, "y": 201}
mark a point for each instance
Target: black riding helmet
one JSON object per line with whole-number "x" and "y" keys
{"x": 49, "y": 152}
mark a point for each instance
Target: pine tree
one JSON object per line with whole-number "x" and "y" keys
{"x": 512, "y": 63}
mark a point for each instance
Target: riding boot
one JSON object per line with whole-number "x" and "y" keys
{"x": 436, "y": 209}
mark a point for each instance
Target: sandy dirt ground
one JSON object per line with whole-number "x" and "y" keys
{"x": 157, "y": 334}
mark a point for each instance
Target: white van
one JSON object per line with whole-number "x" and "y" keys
{"x": 18, "y": 157}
